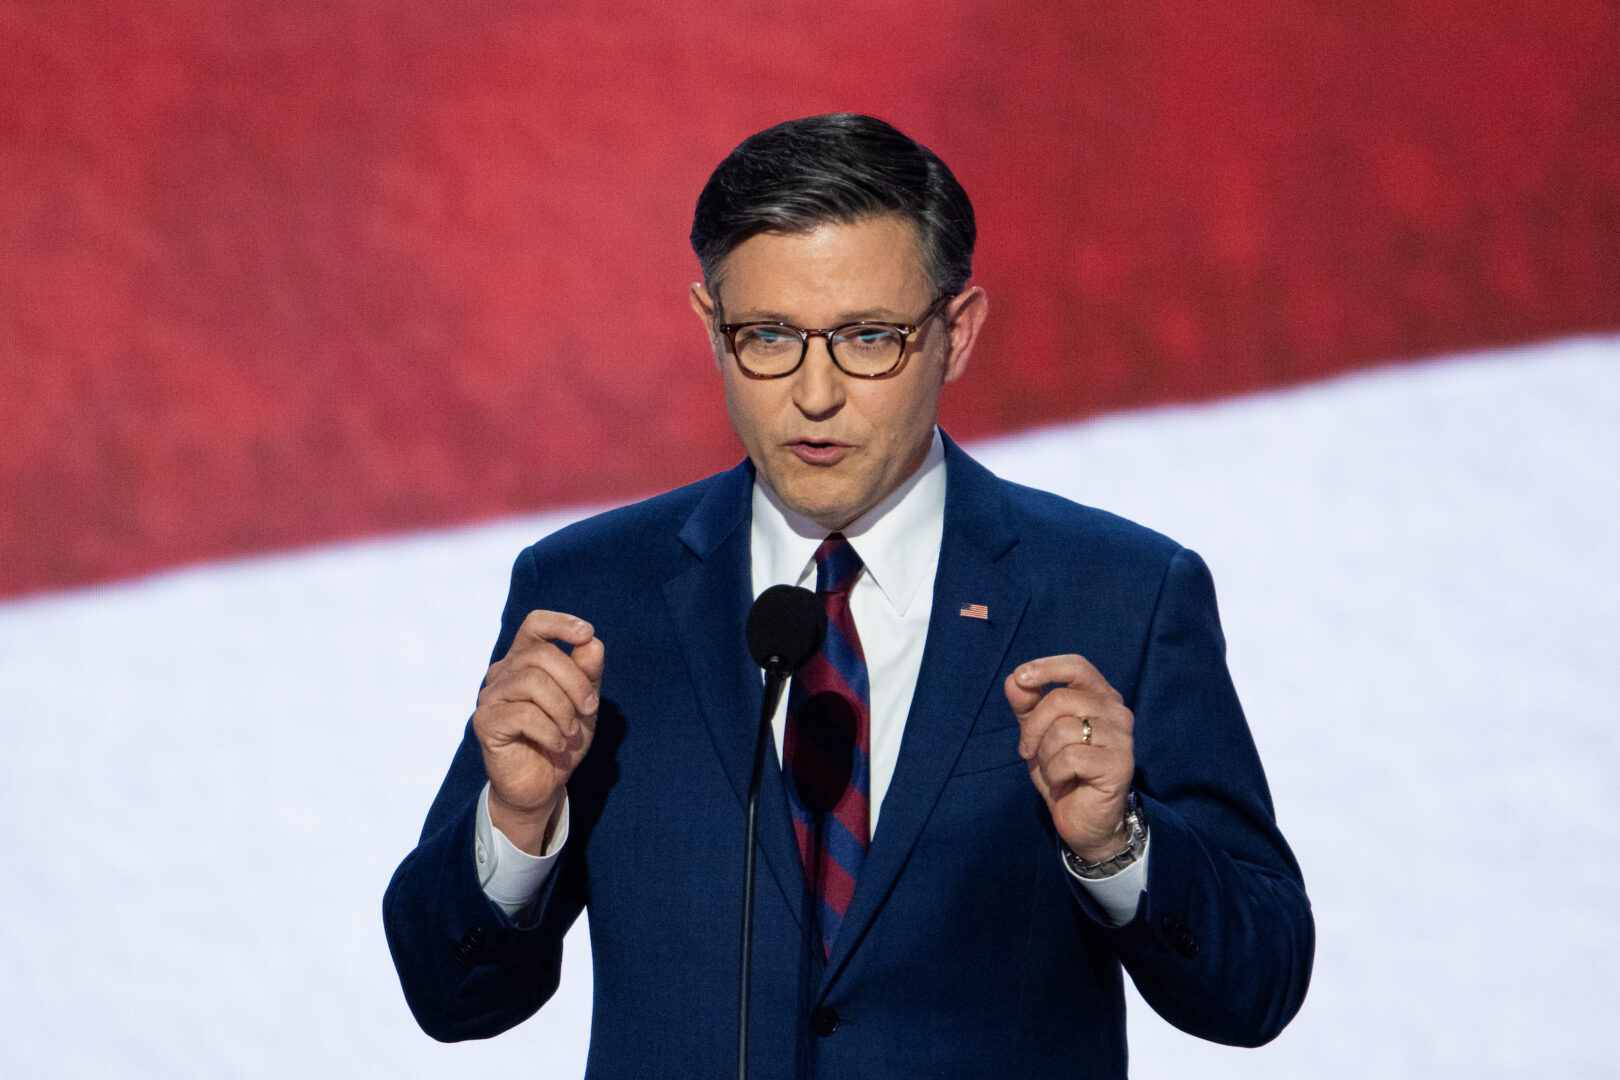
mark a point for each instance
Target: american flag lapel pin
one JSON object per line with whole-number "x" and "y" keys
{"x": 975, "y": 611}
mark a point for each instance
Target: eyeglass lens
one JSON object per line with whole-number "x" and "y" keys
{"x": 861, "y": 349}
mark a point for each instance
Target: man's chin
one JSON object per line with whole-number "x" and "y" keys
{"x": 826, "y": 510}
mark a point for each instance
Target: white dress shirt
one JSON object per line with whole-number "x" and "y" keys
{"x": 898, "y": 540}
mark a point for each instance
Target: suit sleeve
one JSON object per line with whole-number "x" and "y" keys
{"x": 467, "y": 969}
{"x": 1222, "y": 942}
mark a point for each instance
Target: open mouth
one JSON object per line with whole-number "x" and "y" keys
{"x": 818, "y": 452}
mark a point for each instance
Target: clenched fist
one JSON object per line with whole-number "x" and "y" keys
{"x": 1076, "y": 738}
{"x": 535, "y": 719}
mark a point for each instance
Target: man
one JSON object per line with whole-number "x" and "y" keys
{"x": 1029, "y": 769}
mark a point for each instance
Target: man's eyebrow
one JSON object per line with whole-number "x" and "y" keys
{"x": 844, "y": 318}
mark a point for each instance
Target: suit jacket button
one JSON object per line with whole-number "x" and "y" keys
{"x": 470, "y": 945}
{"x": 1180, "y": 936}
{"x": 824, "y": 1020}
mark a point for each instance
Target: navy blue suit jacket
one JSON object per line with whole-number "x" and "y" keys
{"x": 968, "y": 950}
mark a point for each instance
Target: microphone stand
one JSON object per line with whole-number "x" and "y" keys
{"x": 776, "y": 675}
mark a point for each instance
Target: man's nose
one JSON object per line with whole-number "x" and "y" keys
{"x": 818, "y": 384}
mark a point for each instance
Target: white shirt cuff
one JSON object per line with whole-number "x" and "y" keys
{"x": 1119, "y": 894}
{"x": 510, "y": 876}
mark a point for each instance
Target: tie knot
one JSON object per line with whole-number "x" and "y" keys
{"x": 836, "y": 565}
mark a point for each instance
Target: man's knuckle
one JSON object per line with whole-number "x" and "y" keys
{"x": 1053, "y": 743}
{"x": 1073, "y": 757}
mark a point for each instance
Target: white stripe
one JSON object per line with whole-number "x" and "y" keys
{"x": 208, "y": 776}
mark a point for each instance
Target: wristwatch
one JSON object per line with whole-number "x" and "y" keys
{"x": 1135, "y": 828}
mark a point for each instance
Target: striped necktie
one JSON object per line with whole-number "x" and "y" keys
{"x": 826, "y": 746}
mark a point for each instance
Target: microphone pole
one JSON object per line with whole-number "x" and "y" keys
{"x": 775, "y": 678}
{"x": 785, "y": 628}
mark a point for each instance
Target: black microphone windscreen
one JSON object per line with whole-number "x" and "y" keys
{"x": 786, "y": 624}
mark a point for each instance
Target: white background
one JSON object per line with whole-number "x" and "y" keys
{"x": 207, "y": 777}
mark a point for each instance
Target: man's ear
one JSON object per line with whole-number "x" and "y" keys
{"x": 704, "y": 305}
{"x": 965, "y": 316}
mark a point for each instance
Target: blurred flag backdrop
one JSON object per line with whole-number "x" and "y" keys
{"x": 286, "y": 273}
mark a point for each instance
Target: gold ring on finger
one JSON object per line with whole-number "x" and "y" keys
{"x": 1085, "y": 731}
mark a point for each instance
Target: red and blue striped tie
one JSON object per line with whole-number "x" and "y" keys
{"x": 826, "y": 747}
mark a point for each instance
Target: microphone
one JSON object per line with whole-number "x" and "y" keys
{"x": 785, "y": 628}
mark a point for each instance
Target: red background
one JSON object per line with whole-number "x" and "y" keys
{"x": 280, "y": 273}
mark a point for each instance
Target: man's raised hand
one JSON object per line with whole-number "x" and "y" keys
{"x": 535, "y": 719}
{"x": 1084, "y": 778}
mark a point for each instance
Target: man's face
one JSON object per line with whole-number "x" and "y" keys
{"x": 830, "y": 445}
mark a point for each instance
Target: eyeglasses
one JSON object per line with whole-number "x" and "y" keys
{"x": 866, "y": 350}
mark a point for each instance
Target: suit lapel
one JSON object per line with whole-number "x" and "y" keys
{"x": 707, "y": 602}
{"x": 958, "y": 675}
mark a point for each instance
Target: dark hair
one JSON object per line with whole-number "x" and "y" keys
{"x": 841, "y": 167}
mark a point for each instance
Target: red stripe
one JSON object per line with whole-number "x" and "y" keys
{"x": 236, "y": 354}
{"x": 837, "y": 887}
{"x": 854, "y": 813}
{"x": 821, "y": 675}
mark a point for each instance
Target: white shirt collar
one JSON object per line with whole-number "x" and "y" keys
{"x": 898, "y": 539}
